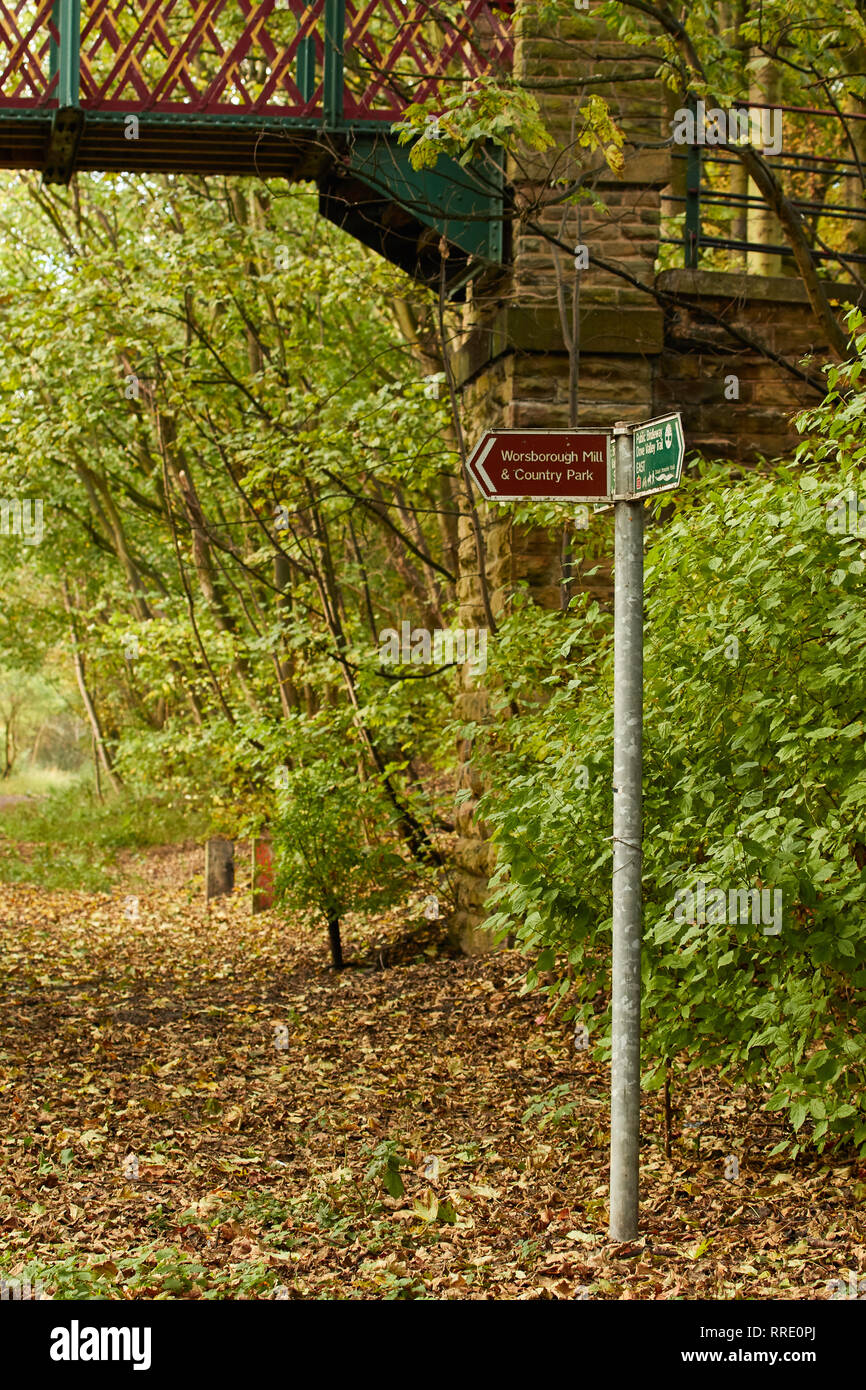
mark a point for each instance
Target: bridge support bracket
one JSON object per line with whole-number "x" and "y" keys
{"x": 375, "y": 194}
{"x": 66, "y": 127}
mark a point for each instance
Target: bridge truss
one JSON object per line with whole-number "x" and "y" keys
{"x": 295, "y": 89}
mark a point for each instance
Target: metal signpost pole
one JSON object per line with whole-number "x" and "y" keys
{"x": 627, "y": 852}
{"x": 576, "y": 465}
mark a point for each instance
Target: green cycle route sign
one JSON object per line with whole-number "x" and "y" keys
{"x": 659, "y": 449}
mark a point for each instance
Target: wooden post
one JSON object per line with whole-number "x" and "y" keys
{"x": 263, "y": 874}
{"x": 219, "y": 868}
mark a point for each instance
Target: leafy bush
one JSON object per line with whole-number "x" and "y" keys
{"x": 332, "y": 849}
{"x": 755, "y": 690}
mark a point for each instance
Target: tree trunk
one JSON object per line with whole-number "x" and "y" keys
{"x": 89, "y": 707}
{"x": 855, "y": 180}
{"x": 336, "y": 943}
{"x": 96, "y": 775}
{"x": 733, "y": 19}
{"x": 37, "y": 746}
{"x": 763, "y": 226}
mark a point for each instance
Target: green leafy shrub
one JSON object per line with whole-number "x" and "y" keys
{"x": 755, "y": 691}
{"x": 333, "y": 847}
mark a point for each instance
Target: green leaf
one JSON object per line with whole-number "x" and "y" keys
{"x": 393, "y": 1182}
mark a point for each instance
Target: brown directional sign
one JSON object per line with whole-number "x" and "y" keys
{"x": 558, "y": 465}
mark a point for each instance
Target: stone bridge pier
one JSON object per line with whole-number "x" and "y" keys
{"x": 544, "y": 343}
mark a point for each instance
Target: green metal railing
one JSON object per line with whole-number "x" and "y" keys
{"x": 706, "y": 201}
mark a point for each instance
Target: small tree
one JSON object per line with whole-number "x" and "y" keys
{"x": 332, "y": 847}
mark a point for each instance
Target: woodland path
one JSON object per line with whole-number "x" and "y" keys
{"x": 143, "y": 1026}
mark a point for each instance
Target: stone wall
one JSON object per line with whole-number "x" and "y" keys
{"x": 711, "y": 319}
{"x": 513, "y": 363}
{"x": 534, "y": 353}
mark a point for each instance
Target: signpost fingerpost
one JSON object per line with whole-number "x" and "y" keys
{"x": 622, "y": 466}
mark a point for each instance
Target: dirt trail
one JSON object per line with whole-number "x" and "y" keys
{"x": 194, "y": 1105}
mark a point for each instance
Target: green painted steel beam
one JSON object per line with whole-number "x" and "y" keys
{"x": 305, "y": 63}
{"x": 692, "y": 223}
{"x": 53, "y": 49}
{"x": 68, "y": 120}
{"x": 455, "y": 201}
{"x": 692, "y": 226}
{"x": 204, "y": 120}
{"x": 332, "y": 76}
{"x": 402, "y": 213}
{"x": 67, "y": 63}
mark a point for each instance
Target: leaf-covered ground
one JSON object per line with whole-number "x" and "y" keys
{"x": 193, "y": 1106}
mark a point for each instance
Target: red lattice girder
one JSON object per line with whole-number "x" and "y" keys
{"x": 408, "y": 40}
{"x": 460, "y": 53}
{"x": 239, "y": 57}
{"x": 201, "y": 69}
{"x": 24, "y": 54}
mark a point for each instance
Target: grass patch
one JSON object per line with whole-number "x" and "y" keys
{"x": 39, "y": 781}
{"x": 69, "y": 840}
{"x": 63, "y": 870}
{"x": 154, "y": 1271}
